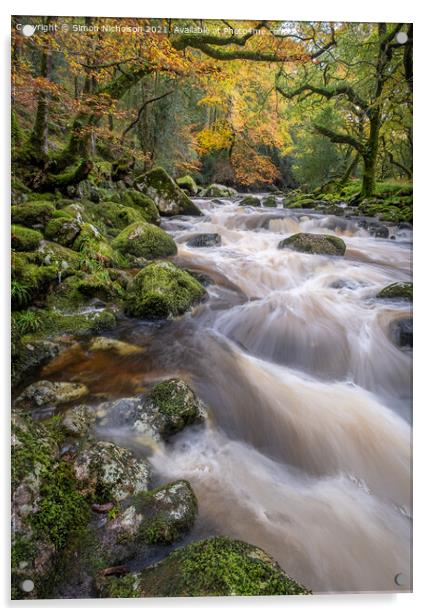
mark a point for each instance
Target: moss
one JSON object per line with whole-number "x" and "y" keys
{"x": 91, "y": 243}
{"x": 78, "y": 288}
{"x": 168, "y": 512}
{"x": 249, "y": 200}
{"x": 299, "y": 201}
{"x": 33, "y": 214}
{"x": 269, "y": 201}
{"x": 66, "y": 261}
{"x": 144, "y": 240}
{"x": 313, "y": 243}
{"x": 123, "y": 587}
{"x": 62, "y": 230}
{"x": 176, "y": 403}
{"x": 217, "y": 567}
{"x": 168, "y": 197}
{"x": 89, "y": 324}
{"x": 218, "y": 190}
{"x": 186, "y": 182}
{"x": 34, "y": 278}
{"x": 33, "y": 450}
{"x": 162, "y": 290}
{"x": 397, "y": 290}
{"x": 143, "y": 204}
{"x": 62, "y": 510}
{"x": 23, "y": 239}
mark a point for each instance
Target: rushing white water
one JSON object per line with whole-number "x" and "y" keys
{"x": 307, "y": 453}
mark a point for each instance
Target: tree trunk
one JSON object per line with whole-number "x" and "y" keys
{"x": 370, "y": 157}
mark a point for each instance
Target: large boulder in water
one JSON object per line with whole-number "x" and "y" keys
{"x": 401, "y": 332}
{"x": 397, "y": 290}
{"x": 187, "y": 183}
{"x": 214, "y": 567}
{"x": 269, "y": 201}
{"x": 204, "y": 240}
{"x": 142, "y": 239}
{"x": 168, "y": 197}
{"x": 218, "y": 190}
{"x": 162, "y": 290}
{"x": 170, "y": 407}
{"x": 250, "y": 200}
{"x": 314, "y": 243}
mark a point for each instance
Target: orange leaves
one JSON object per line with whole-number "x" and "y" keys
{"x": 218, "y": 136}
{"x": 250, "y": 167}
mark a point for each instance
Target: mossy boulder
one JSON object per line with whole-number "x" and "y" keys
{"x": 66, "y": 261}
{"x": 47, "y": 393}
{"x": 162, "y": 290}
{"x": 168, "y": 197}
{"x": 397, "y": 290}
{"x": 77, "y": 289}
{"x": 142, "y": 239}
{"x": 187, "y": 183}
{"x": 313, "y": 243}
{"x": 214, "y": 567}
{"x": 219, "y": 190}
{"x": 167, "y": 409}
{"x": 299, "y": 201}
{"x": 62, "y": 230}
{"x": 110, "y": 345}
{"x": 269, "y": 201}
{"x": 171, "y": 406}
{"x": 23, "y": 239}
{"x": 34, "y": 214}
{"x": 204, "y": 240}
{"x": 141, "y": 203}
{"x": 250, "y": 200}
{"x": 106, "y": 472}
{"x": 168, "y": 512}
{"x": 92, "y": 244}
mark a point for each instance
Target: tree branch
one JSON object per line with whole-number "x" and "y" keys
{"x": 140, "y": 111}
{"x": 340, "y": 138}
{"x": 328, "y": 92}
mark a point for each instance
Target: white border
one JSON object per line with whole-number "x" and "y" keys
{"x": 342, "y": 10}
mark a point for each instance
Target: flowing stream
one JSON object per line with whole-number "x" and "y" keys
{"x": 307, "y": 452}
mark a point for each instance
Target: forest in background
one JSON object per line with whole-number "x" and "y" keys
{"x": 246, "y": 104}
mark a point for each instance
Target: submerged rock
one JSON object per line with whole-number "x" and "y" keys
{"x": 168, "y": 197}
{"x": 314, "y": 243}
{"x": 162, "y": 290}
{"x": 204, "y": 240}
{"x": 401, "y": 332}
{"x": 397, "y": 290}
{"x": 219, "y": 190}
{"x": 109, "y": 472}
{"x": 142, "y": 239}
{"x": 115, "y": 346}
{"x": 269, "y": 201}
{"x": 44, "y": 393}
{"x": 214, "y": 567}
{"x": 250, "y": 200}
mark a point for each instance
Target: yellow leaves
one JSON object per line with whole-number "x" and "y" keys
{"x": 216, "y": 137}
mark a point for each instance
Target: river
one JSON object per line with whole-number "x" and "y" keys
{"x": 307, "y": 451}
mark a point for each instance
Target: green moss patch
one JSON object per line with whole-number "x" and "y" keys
{"x": 397, "y": 290}
{"x": 313, "y": 243}
{"x": 23, "y": 239}
{"x": 162, "y": 290}
{"x": 218, "y": 567}
{"x": 145, "y": 240}
{"x": 33, "y": 214}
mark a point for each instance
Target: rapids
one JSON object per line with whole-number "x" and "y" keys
{"x": 307, "y": 452}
